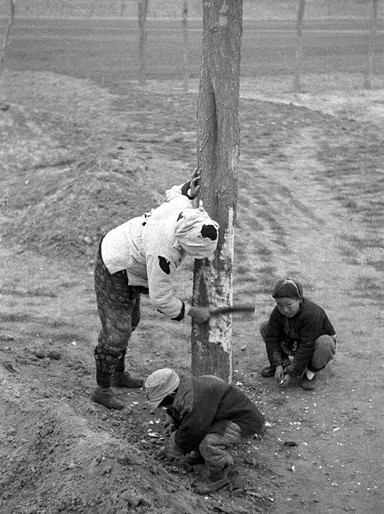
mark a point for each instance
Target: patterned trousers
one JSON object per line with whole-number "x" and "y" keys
{"x": 118, "y": 305}
{"x": 214, "y": 447}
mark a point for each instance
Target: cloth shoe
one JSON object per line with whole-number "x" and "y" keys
{"x": 268, "y": 372}
{"x": 216, "y": 480}
{"x": 105, "y": 396}
{"x": 309, "y": 385}
{"x": 124, "y": 379}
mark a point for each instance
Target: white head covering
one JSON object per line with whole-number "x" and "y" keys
{"x": 197, "y": 233}
{"x": 160, "y": 384}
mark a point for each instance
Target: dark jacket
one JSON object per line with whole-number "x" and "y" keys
{"x": 201, "y": 402}
{"x": 296, "y": 335}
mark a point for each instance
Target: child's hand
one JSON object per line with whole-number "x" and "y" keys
{"x": 169, "y": 428}
{"x": 285, "y": 381}
{"x": 173, "y": 448}
{"x": 279, "y": 373}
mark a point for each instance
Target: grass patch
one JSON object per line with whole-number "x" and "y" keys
{"x": 28, "y": 293}
{"x": 377, "y": 264}
{"x": 369, "y": 287}
{"x": 15, "y": 318}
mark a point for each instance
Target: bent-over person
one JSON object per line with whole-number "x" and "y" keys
{"x": 141, "y": 257}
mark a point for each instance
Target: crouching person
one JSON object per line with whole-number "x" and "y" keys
{"x": 208, "y": 416}
{"x": 299, "y": 337}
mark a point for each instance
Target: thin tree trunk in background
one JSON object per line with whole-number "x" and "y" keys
{"x": 143, "y": 11}
{"x": 184, "y": 22}
{"x": 218, "y": 154}
{"x": 123, "y": 7}
{"x": 371, "y": 45}
{"x": 328, "y": 4}
{"x": 299, "y": 47}
{"x": 6, "y": 34}
{"x": 93, "y": 9}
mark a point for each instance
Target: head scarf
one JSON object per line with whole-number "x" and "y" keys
{"x": 160, "y": 384}
{"x": 288, "y": 288}
{"x": 197, "y": 233}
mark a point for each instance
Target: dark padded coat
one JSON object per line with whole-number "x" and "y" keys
{"x": 297, "y": 335}
{"x": 207, "y": 404}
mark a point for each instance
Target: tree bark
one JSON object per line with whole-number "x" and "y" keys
{"x": 371, "y": 45}
{"x": 143, "y": 11}
{"x": 218, "y": 154}
{"x": 299, "y": 47}
{"x": 6, "y": 34}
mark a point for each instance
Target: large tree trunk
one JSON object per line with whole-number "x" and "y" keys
{"x": 7, "y": 32}
{"x": 218, "y": 155}
{"x": 299, "y": 47}
{"x": 371, "y": 46}
{"x": 143, "y": 11}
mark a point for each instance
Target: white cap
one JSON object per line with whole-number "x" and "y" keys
{"x": 160, "y": 384}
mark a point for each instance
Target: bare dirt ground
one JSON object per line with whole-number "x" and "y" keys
{"x": 77, "y": 160}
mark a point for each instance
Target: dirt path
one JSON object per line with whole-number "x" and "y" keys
{"x": 338, "y": 426}
{"x": 305, "y": 209}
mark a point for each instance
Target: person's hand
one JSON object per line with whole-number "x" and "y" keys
{"x": 164, "y": 455}
{"x": 169, "y": 427}
{"x": 285, "y": 381}
{"x": 173, "y": 448}
{"x": 199, "y": 314}
{"x": 279, "y": 373}
{"x": 194, "y": 186}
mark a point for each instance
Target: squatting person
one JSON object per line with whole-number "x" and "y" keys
{"x": 299, "y": 337}
{"x": 207, "y": 416}
{"x": 141, "y": 256}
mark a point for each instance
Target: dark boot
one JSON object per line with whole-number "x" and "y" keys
{"x": 308, "y": 385}
{"x": 124, "y": 379}
{"x": 103, "y": 393}
{"x": 107, "y": 398}
{"x": 268, "y": 372}
{"x": 215, "y": 481}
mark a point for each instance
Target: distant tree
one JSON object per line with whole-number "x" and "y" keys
{"x": 143, "y": 12}
{"x": 299, "y": 47}
{"x": 61, "y": 7}
{"x": 123, "y": 7}
{"x": 7, "y": 32}
{"x": 371, "y": 45}
{"x": 92, "y": 9}
{"x": 184, "y": 22}
{"x": 218, "y": 147}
